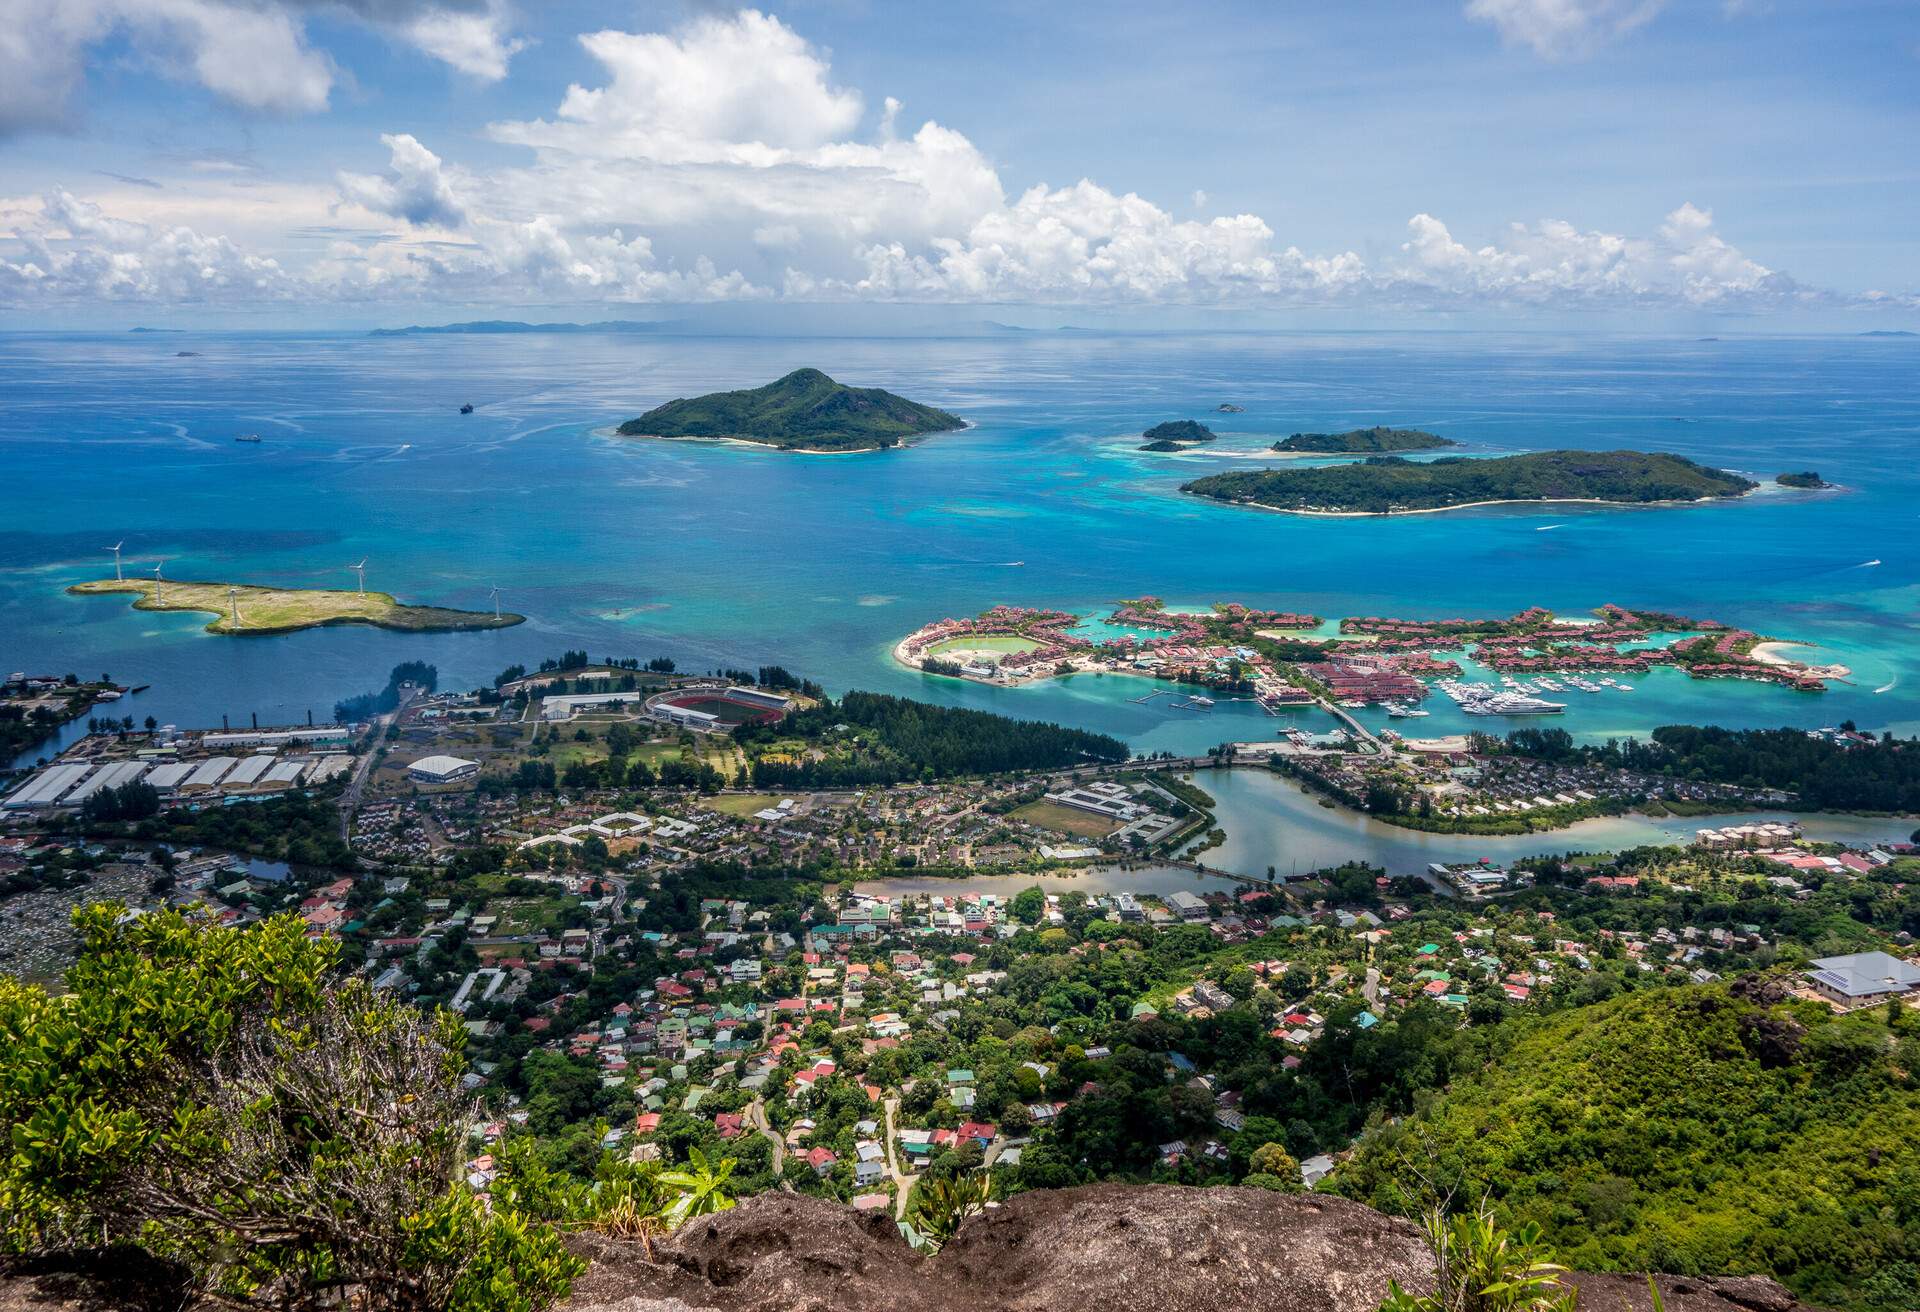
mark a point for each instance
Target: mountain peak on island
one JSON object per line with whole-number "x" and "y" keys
{"x": 802, "y": 411}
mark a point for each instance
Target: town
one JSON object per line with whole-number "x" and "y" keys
{"x": 854, "y": 989}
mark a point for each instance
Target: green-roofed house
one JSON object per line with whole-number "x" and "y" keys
{"x": 961, "y": 1076}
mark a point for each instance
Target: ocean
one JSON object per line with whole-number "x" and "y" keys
{"x": 723, "y": 555}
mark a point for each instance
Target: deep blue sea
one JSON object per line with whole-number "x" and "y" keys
{"x": 721, "y": 554}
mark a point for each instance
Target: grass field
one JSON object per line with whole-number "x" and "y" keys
{"x": 1065, "y": 819}
{"x": 984, "y": 644}
{"x": 287, "y": 610}
{"x": 742, "y": 805}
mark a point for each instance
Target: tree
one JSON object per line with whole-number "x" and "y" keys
{"x": 226, "y": 1099}
{"x": 1029, "y": 905}
{"x": 1273, "y": 1159}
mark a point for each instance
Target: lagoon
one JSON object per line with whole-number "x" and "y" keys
{"x": 724, "y": 555}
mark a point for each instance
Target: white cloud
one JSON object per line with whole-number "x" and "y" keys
{"x": 1555, "y": 264}
{"x": 475, "y": 43}
{"x": 745, "y": 80}
{"x": 252, "y": 53}
{"x": 415, "y": 187}
{"x": 722, "y": 161}
{"x": 75, "y": 252}
{"x": 1559, "y": 29}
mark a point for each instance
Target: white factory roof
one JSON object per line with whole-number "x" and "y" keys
{"x": 170, "y": 774}
{"x": 285, "y": 772}
{"x": 210, "y": 772}
{"x": 249, "y": 770}
{"x": 43, "y": 788}
{"x": 117, "y": 775}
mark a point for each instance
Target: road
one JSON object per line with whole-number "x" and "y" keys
{"x": 902, "y": 1182}
{"x": 756, "y": 1117}
{"x": 350, "y": 799}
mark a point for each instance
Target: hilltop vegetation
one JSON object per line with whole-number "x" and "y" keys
{"x": 805, "y": 411}
{"x": 1375, "y": 439}
{"x": 1388, "y": 485}
{"x": 1702, "y": 1129}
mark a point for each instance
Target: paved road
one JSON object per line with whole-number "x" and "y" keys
{"x": 902, "y": 1182}
{"x": 756, "y": 1117}
{"x": 350, "y": 800}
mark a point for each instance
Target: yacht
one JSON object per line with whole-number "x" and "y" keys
{"x": 1513, "y": 703}
{"x": 247, "y": 437}
{"x": 1198, "y": 700}
{"x": 1399, "y": 712}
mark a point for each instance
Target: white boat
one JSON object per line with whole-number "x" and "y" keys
{"x": 1198, "y": 700}
{"x": 1512, "y": 703}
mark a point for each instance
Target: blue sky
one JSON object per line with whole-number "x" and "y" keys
{"x": 1616, "y": 162}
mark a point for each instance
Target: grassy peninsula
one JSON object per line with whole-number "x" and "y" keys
{"x": 1370, "y": 441}
{"x": 805, "y": 411}
{"x": 1176, "y": 435}
{"x": 288, "y": 610}
{"x": 1389, "y": 485}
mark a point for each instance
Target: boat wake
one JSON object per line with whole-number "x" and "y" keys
{"x": 1867, "y": 564}
{"x": 1887, "y": 686}
{"x": 1547, "y": 528}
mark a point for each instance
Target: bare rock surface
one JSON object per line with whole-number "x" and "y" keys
{"x": 1103, "y": 1248}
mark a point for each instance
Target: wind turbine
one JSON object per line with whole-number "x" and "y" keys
{"x": 495, "y": 594}
{"x": 156, "y": 581}
{"x": 361, "y": 570}
{"x": 233, "y": 602}
{"x": 115, "y": 549}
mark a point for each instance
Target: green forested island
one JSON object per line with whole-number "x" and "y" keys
{"x": 1716, "y": 1128}
{"x": 1375, "y": 439}
{"x": 1386, "y": 485}
{"x": 805, "y": 411}
{"x": 1804, "y": 478}
{"x": 1176, "y": 435}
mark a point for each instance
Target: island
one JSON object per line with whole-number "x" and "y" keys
{"x": 1391, "y": 485}
{"x": 1371, "y": 441}
{"x": 1805, "y": 478}
{"x": 1229, "y": 408}
{"x": 1288, "y": 658}
{"x": 1176, "y": 435}
{"x": 245, "y": 609}
{"x": 805, "y": 412}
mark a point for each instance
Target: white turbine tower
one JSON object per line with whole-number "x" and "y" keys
{"x": 495, "y": 594}
{"x": 156, "y": 581}
{"x": 233, "y": 603}
{"x": 361, "y": 570}
{"x": 115, "y": 549}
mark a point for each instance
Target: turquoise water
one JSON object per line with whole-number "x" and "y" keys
{"x": 730, "y": 555}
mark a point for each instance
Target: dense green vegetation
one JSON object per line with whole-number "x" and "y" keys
{"x": 296, "y": 828}
{"x": 1805, "y": 478}
{"x": 369, "y": 704}
{"x": 231, "y": 1103}
{"x": 22, "y": 729}
{"x": 1694, "y": 1130}
{"x": 1375, "y": 439}
{"x": 871, "y": 738}
{"x": 806, "y": 410}
{"x": 1879, "y": 775}
{"x": 1176, "y": 435}
{"x": 1386, "y": 484}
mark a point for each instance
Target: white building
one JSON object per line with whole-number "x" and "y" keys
{"x": 442, "y": 769}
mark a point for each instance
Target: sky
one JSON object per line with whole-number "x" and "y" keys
{"x": 1374, "y": 163}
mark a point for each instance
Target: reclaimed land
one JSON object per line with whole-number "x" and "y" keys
{"x": 289, "y": 610}
{"x": 1389, "y": 485}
